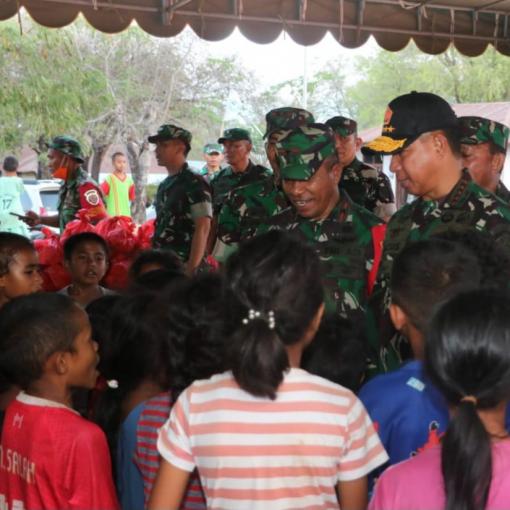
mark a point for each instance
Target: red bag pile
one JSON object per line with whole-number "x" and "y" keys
{"x": 120, "y": 234}
{"x": 51, "y": 259}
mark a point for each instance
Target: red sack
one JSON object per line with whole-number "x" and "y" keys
{"x": 119, "y": 233}
{"x": 145, "y": 235}
{"x": 57, "y": 275}
{"x": 49, "y": 248}
{"x": 82, "y": 224}
{"x": 117, "y": 276}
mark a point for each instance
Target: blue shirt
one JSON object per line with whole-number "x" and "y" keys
{"x": 407, "y": 410}
{"x": 129, "y": 478}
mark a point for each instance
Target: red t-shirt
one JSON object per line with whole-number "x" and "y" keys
{"x": 52, "y": 458}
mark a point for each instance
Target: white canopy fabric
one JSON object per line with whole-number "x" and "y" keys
{"x": 468, "y": 24}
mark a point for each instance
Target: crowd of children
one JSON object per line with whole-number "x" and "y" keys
{"x": 233, "y": 390}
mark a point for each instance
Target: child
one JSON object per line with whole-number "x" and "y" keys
{"x": 19, "y": 267}
{"x": 138, "y": 357}
{"x": 467, "y": 354}
{"x": 86, "y": 259}
{"x": 19, "y": 275}
{"x": 337, "y": 353}
{"x": 195, "y": 313}
{"x": 153, "y": 260}
{"x": 11, "y": 189}
{"x": 51, "y": 457}
{"x": 408, "y": 410}
{"x": 267, "y": 434}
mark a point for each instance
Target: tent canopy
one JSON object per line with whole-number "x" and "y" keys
{"x": 470, "y": 25}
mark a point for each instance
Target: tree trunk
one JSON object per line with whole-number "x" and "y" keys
{"x": 99, "y": 150}
{"x": 139, "y": 163}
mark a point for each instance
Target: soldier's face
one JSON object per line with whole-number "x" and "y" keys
{"x": 417, "y": 168}
{"x": 237, "y": 152}
{"x": 55, "y": 160}
{"x": 214, "y": 160}
{"x": 169, "y": 152}
{"x": 346, "y": 147}
{"x": 483, "y": 166}
{"x": 314, "y": 199}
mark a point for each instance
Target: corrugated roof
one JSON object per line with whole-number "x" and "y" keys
{"x": 470, "y": 25}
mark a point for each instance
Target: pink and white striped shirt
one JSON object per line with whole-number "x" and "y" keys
{"x": 257, "y": 453}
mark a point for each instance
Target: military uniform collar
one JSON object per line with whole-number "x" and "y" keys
{"x": 80, "y": 175}
{"x": 502, "y": 192}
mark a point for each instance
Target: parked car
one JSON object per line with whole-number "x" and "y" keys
{"x": 41, "y": 196}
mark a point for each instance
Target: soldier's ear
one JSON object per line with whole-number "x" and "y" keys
{"x": 398, "y": 317}
{"x": 497, "y": 162}
{"x": 440, "y": 143}
{"x": 359, "y": 143}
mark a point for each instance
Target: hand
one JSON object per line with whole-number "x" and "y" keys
{"x": 32, "y": 219}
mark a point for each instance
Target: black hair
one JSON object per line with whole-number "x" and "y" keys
{"x": 33, "y": 328}
{"x": 74, "y": 241}
{"x": 278, "y": 276}
{"x": 428, "y": 272}
{"x": 10, "y": 244}
{"x": 493, "y": 260}
{"x": 167, "y": 259}
{"x": 467, "y": 354}
{"x": 115, "y": 154}
{"x": 100, "y": 317}
{"x": 194, "y": 313}
{"x": 136, "y": 351}
{"x": 10, "y": 164}
{"x": 156, "y": 281}
{"x": 338, "y": 353}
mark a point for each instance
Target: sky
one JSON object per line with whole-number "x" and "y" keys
{"x": 284, "y": 59}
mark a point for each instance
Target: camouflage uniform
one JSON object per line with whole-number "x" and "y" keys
{"x": 210, "y": 148}
{"x": 345, "y": 240}
{"x": 79, "y": 191}
{"x": 248, "y": 206}
{"x": 227, "y": 179}
{"x": 366, "y": 185}
{"x": 466, "y": 207}
{"x": 180, "y": 199}
{"x": 478, "y": 130}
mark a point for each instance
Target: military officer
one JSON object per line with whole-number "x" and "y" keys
{"x": 78, "y": 191}
{"x": 345, "y": 235}
{"x": 421, "y": 133}
{"x": 246, "y": 207}
{"x": 366, "y": 185}
{"x": 213, "y": 155}
{"x": 483, "y": 145}
{"x": 240, "y": 171}
{"x": 183, "y": 199}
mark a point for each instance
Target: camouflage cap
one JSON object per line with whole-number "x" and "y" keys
{"x": 234, "y": 135}
{"x": 69, "y": 146}
{"x": 211, "y": 148}
{"x": 476, "y": 130}
{"x": 171, "y": 132}
{"x": 342, "y": 126}
{"x": 302, "y": 152}
{"x": 286, "y": 119}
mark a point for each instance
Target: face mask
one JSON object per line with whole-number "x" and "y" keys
{"x": 61, "y": 173}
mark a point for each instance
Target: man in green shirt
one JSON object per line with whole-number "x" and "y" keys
{"x": 421, "y": 133}
{"x": 78, "y": 190}
{"x": 213, "y": 155}
{"x": 183, "y": 199}
{"x": 484, "y": 143}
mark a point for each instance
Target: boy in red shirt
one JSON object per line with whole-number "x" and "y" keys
{"x": 50, "y": 457}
